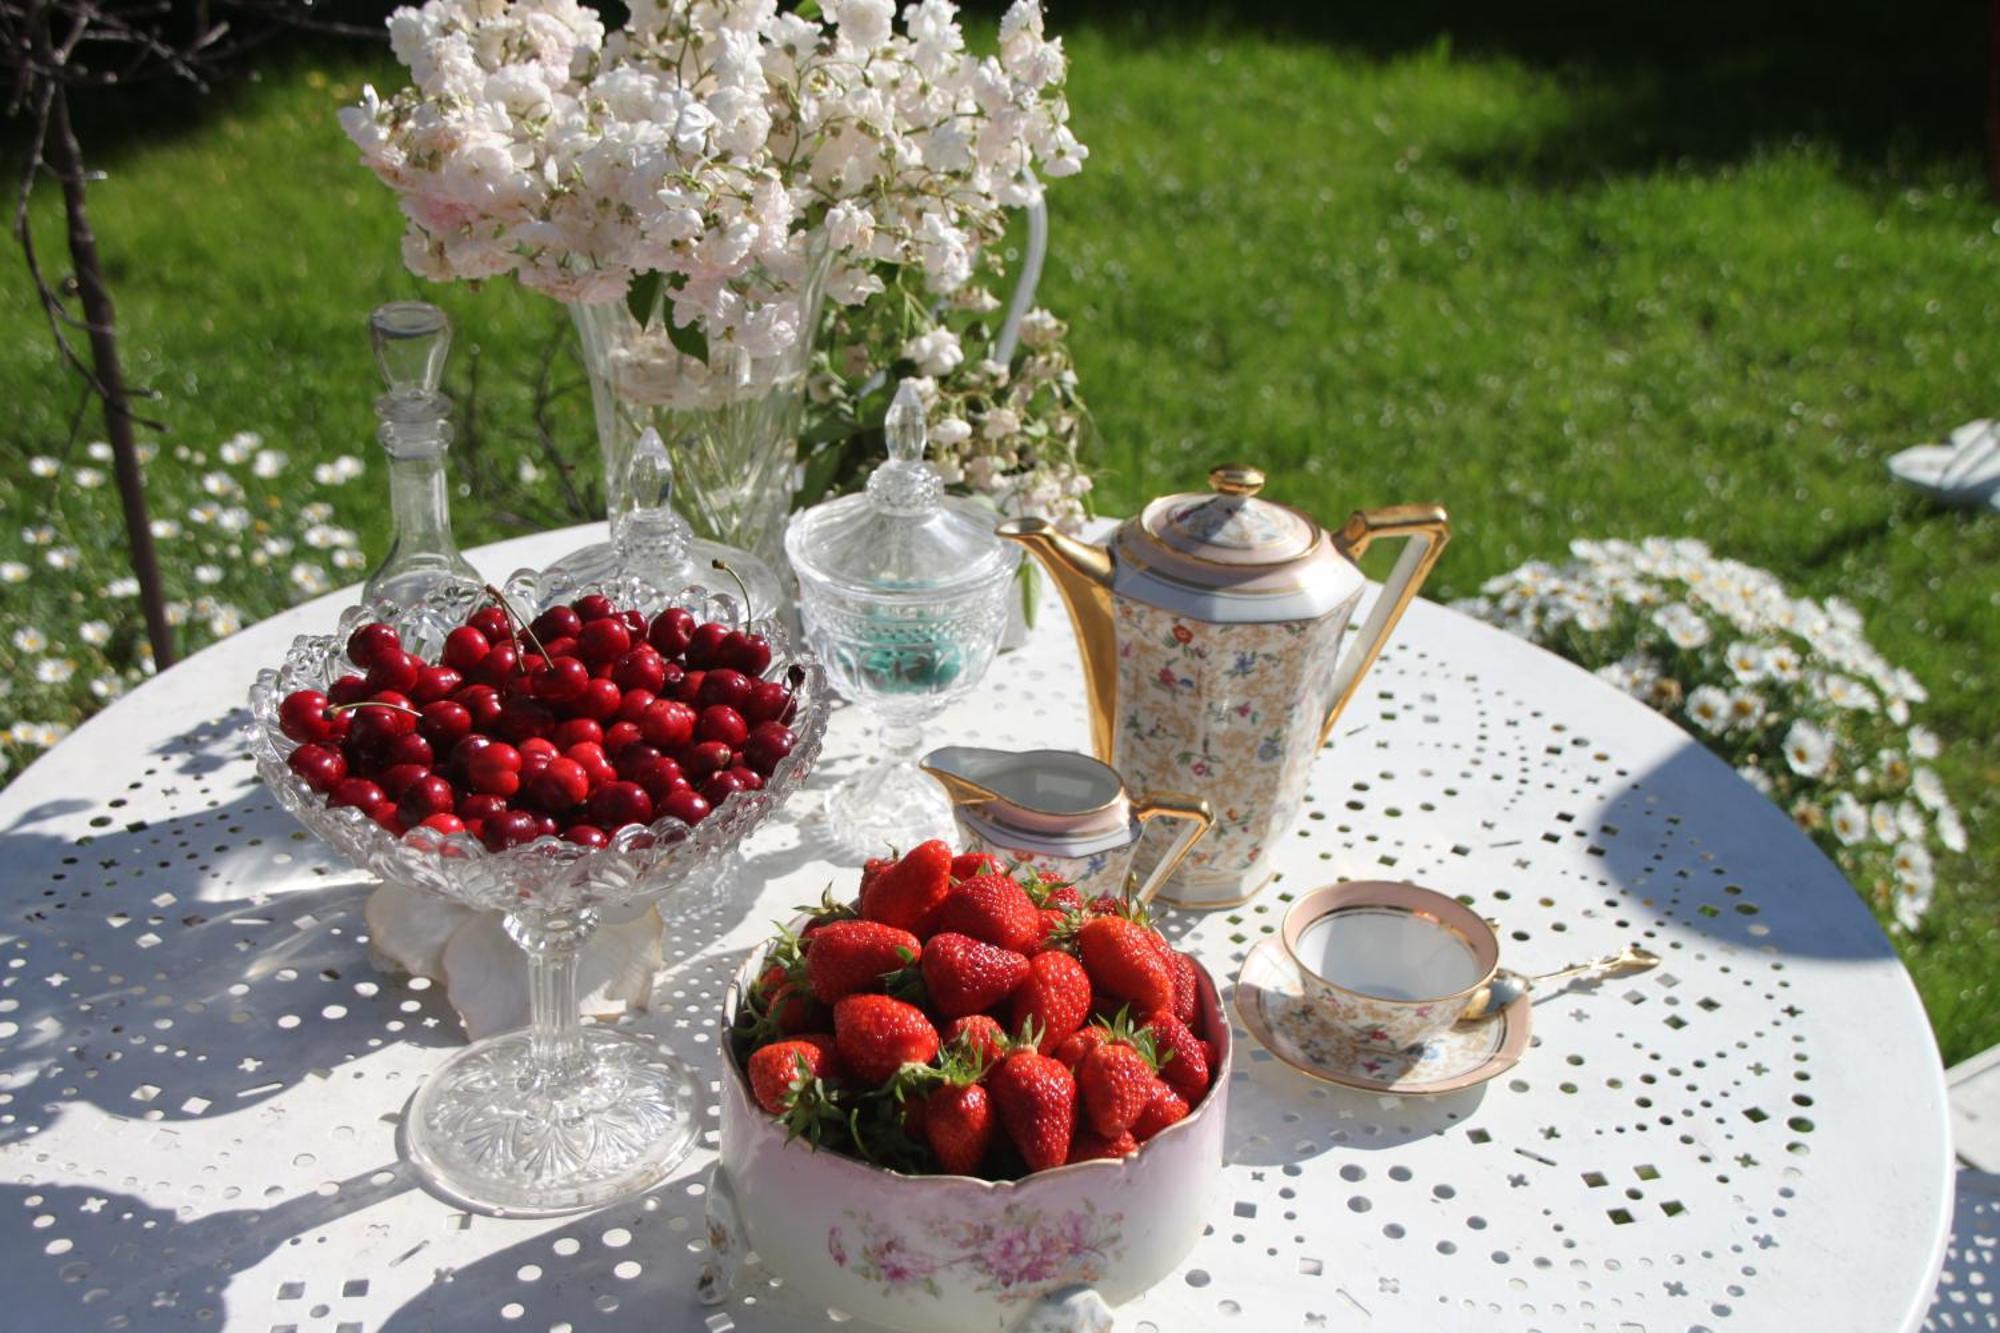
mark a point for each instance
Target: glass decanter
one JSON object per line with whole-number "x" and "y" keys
{"x": 903, "y": 593}
{"x": 411, "y": 339}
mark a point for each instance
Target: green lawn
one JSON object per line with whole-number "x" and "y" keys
{"x": 1573, "y": 271}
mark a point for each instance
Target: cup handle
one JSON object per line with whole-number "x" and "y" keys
{"x": 1196, "y": 813}
{"x": 1426, "y": 528}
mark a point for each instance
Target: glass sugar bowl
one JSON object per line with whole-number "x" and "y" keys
{"x": 903, "y": 593}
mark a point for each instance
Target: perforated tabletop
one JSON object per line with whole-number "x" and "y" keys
{"x": 201, "y": 1074}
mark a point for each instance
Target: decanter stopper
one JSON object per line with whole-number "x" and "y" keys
{"x": 651, "y": 539}
{"x": 414, "y": 427}
{"x": 906, "y": 484}
{"x": 411, "y": 340}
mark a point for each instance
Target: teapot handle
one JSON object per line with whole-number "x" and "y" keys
{"x": 1196, "y": 813}
{"x": 1426, "y": 528}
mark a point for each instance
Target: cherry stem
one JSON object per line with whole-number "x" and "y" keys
{"x": 374, "y": 703}
{"x": 741, "y": 587}
{"x": 514, "y": 618}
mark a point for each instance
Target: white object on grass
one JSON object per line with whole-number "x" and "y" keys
{"x": 1963, "y": 472}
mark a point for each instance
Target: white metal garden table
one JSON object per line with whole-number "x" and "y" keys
{"x": 200, "y": 1072}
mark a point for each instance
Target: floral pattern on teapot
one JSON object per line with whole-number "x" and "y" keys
{"x": 1217, "y": 710}
{"x": 1099, "y": 872}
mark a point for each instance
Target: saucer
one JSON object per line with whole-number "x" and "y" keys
{"x": 1272, "y": 1005}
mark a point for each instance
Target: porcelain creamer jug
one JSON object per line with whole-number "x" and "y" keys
{"x": 1210, "y": 629}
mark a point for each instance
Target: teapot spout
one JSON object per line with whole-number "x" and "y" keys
{"x": 963, "y": 771}
{"x": 1082, "y": 575}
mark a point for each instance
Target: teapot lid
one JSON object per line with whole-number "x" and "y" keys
{"x": 1242, "y": 557}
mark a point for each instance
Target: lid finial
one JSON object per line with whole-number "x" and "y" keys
{"x": 1236, "y": 479}
{"x": 906, "y": 484}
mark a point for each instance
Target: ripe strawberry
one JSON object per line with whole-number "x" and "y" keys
{"x": 977, "y": 1036}
{"x": 1123, "y": 959}
{"x": 963, "y": 976}
{"x": 1036, "y": 1098}
{"x": 992, "y": 908}
{"x": 1052, "y": 919}
{"x": 1080, "y": 1043}
{"x": 1088, "y": 1145}
{"x": 1105, "y": 904}
{"x": 778, "y": 1070}
{"x": 1115, "y": 1083}
{"x": 1164, "y": 1108}
{"x": 1187, "y": 987}
{"x": 843, "y": 957}
{"x": 872, "y": 870}
{"x": 1065, "y": 897}
{"x": 967, "y": 864}
{"x": 1183, "y": 1056}
{"x": 1055, "y": 997}
{"x": 906, "y": 894}
{"x": 958, "y": 1124}
{"x": 877, "y": 1035}
{"x": 788, "y": 1006}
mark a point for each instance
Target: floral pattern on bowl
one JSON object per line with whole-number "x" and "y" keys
{"x": 1021, "y": 1254}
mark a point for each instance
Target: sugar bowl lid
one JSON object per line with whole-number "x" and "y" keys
{"x": 1238, "y": 556}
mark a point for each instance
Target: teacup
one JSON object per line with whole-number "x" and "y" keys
{"x": 1067, "y": 815}
{"x": 1390, "y": 966}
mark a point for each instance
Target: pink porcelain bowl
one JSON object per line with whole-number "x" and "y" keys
{"x": 936, "y": 1254}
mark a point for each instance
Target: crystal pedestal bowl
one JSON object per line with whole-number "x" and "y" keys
{"x": 557, "y": 1117}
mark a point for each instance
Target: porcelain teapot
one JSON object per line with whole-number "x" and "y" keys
{"x": 1210, "y": 628}
{"x": 1063, "y": 813}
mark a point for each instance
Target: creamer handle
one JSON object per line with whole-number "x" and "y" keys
{"x": 1426, "y": 528}
{"x": 1195, "y": 812}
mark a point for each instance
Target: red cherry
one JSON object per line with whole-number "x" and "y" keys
{"x": 501, "y": 663}
{"x": 483, "y": 702}
{"x": 564, "y": 682}
{"x": 371, "y": 726}
{"x": 719, "y": 722}
{"x": 443, "y": 822}
{"x": 445, "y": 723}
{"x": 617, "y": 804}
{"x": 596, "y": 765}
{"x": 620, "y": 737}
{"x": 705, "y": 648}
{"x": 410, "y": 748}
{"x": 633, "y": 758}
{"x": 302, "y": 716}
{"x": 721, "y": 786}
{"x": 685, "y": 805}
{"x": 640, "y": 669}
{"x": 562, "y": 647}
{"x": 725, "y": 686}
{"x": 463, "y": 648}
{"x": 396, "y": 779}
{"x": 633, "y": 704}
{"x": 369, "y": 641}
{"x": 385, "y": 813}
{"x": 671, "y": 630}
{"x": 769, "y": 701}
{"x": 562, "y": 785}
{"x": 357, "y": 792}
{"x": 492, "y": 622}
{"x": 494, "y": 769}
{"x": 533, "y": 762}
{"x": 748, "y": 653}
{"x": 676, "y": 673}
{"x": 768, "y": 745}
{"x": 661, "y": 778}
{"x": 479, "y": 806}
{"x": 558, "y": 622}
{"x": 427, "y": 796}
{"x": 509, "y": 828}
{"x": 688, "y": 688}
{"x": 468, "y": 746}
{"x": 593, "y": 606}
{"x": 575, "y": 729}
{"x": 539, "y": 745}
{"x": 522, "y": 717}
{"x": 522, "y": 681}
{"x": 668, "y": 723}
{"x": 706, "y": 757}
{"x": 586, "y": 835}
{"x": 600, "y": 699}
{"x": 393, "y": 669}
{"x": 751, "y": 779}
{"x": 546, "y": 826}
{"x": 321, "y": 767}
{"x": 635, "y": 621}
{"x": 349, "y": 689}
{"x": 604, "y": 640}
{"x": 435, "y": 683}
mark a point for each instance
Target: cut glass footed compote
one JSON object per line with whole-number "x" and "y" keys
{"x": 903, "y": 592}
{"x": 559, "y": 1117}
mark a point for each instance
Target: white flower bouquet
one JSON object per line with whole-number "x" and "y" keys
{"x": 1785, "y": 688}
{"x": 711, "y": 160}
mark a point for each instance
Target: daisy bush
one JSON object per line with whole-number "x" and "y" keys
{"x": 1785, "y": 688}
{"x": 713, "y": 154}
{"x": 254, "y": 535}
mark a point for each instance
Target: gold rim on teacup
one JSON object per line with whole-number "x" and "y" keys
{"x": 1413, "y": 899}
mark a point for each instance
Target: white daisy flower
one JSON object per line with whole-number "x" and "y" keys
{"x": 349, "y": 558}
{"x": 54, "y": 670}
{"x": 1684, "y": 627}
{"x": 125, "y": 586}
{"x": 28, "y": 639}
{"x": 1928, "y": 788}
{"x": 268, "y": 464}
{"x": 221, "y": 485}
{"x": 1895, "y": 769}
{"x": 166, "y": 529}
{"x": 1782, "y": 662}
{"x": 1808, "y": 749}
{"x": 1882, "y": 821}
{"x": 225, "y": 621}
{"x": 317, "y": 511}
{"x": 1847, "y": 692}
{"x": 1910, "y": 820}
{"x": 1746, "y": 661}
{"x": 88, "y": 478}
{"x": 99, "y": 451}
{"x": 1924, "y": 743}
{"x": 1950, "y": 831}
{"x": 1911, "y": 906}
{"x": 1756, "y": 777}
{"x": 1909, "y": 687}
{"x": 62, "y": 557}
{"x": 1849, "y": 819}
{"x": 41, "y": 465}
{"x": 94, "y": 632}
{"x": 39, "y": 535}
{"x": 208, "y": 575}
{"x": 1746, "y": 709}
{"x": 1913, "y": 867}
{"x": 1708, "y": 708}
{"x": 13, "y": 571}
{"x": 309, "y": 578}
{"x": 107, "y": 687}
